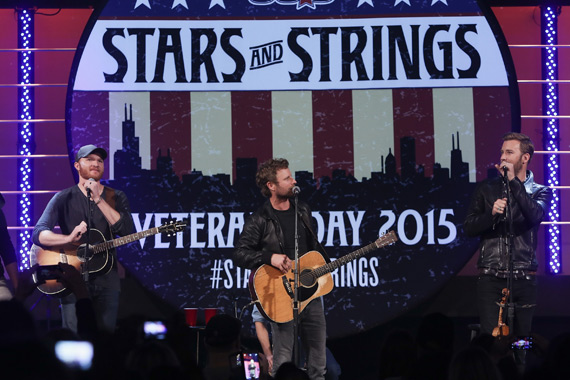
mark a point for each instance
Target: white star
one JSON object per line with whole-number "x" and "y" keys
{"x": 142, "y": 2}
{"x": 402, "y": 1}
{"x": 179, "y": 2}
{"x": 369, "y": 2}
{"x": 438, "y": 1}
{"x": 217, "y": 2}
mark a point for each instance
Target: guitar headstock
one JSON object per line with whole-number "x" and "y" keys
{"x": 173, "y": 227}
{"x": 386, "y": 239}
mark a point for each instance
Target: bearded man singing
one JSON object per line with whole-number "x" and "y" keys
{"x": 108, "y": 212}
{"x": 498, "y": 220}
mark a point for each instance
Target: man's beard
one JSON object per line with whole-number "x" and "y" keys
{"x": 84, "y": 173}
{"x": 518, "y": 166}
{"x": 288, "y": 195}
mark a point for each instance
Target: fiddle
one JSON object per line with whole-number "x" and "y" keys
{"x": 502, "y": 329}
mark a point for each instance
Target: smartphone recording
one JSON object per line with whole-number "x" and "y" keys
{"x": 522, "y": 343}
{"x": 250, "y": 362}
{"x": 47, "y": 272}
{"x": 77, "y": 355}
{"x": 154, "y": 330}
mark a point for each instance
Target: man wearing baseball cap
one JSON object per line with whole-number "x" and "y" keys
{"x": 105, "y": 212}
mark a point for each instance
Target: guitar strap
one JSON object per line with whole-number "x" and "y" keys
{"x": 110, "y": 199}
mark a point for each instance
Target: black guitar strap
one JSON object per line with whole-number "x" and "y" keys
{"x": 323, "y": 251}
{"x": 110, "y": 199}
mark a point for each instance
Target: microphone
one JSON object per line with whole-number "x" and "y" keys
{"x": 296, "y": 190}
{"x": 89, "y": 189}
{"x": 505, "y": 170}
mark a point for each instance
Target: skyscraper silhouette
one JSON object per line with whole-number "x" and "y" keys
{"x": 459, "y": 169}
{"x": 127, "y": 161}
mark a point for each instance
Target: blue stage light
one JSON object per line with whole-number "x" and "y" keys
{"x": 550, "y": 132}
{"x": 25, "y": 110}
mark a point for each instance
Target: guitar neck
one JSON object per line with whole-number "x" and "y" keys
{"x": 124, "y": 240}
{"x": 327, "y": 268}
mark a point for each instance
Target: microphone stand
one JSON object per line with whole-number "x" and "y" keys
{"x": 509, "y": 236}
{"x": 296, "y": 288}
{"x": 85, "y": 262}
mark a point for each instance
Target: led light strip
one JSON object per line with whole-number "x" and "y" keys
{"x": 25, "y": 131}
{"x": 550, "y": 132}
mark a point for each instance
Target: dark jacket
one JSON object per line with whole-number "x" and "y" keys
{"x": 262, "y": 237}
{"x": 529, "y": 203}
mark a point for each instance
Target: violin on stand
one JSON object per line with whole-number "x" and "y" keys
{"x": 502, "y": 329}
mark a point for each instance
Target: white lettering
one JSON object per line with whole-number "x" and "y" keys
{"x": 229, "y": 281}
{"x": 236, "y": 225}
{"x": 158, "y": 217}
{"x": 179, "y": 235}
{"x": 194, "y": 227}
{"x": 216, "y": 221}
{"x": 138, "y": 227}
{"x": 355, "y": 224}
{"x": 336, "y": 221}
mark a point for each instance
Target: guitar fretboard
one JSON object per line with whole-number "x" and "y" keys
{"x": 124, "y": 240}
{"x": 379, "y": 243}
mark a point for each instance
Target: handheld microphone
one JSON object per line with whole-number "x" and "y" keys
{"x": 296, "y": 190}
{"x": 89, "y": 189}
{"x": 505, "y": 170}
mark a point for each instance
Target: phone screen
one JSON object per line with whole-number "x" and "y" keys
{"x": 75, "y": 354}
{"x": 523, "y": 343}
{"x": 154, "y": 330}
{"x": 47, "y": 272}
{"x": 250, "y": 362}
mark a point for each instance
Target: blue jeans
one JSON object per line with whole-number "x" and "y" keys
{"x": 312, "y": 331}
{"x": 105, "y": 303}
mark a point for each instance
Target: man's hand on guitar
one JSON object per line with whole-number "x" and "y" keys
{"x": 78, "y": 232}
{"x": 281, "y": 262}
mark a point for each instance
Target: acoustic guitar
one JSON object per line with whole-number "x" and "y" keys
{"x": 94, "y": 258}
{"x": 273, "y": 290}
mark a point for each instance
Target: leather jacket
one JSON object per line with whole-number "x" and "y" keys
{"x": 528, "y": 202}
{"x": 262, "y": 236}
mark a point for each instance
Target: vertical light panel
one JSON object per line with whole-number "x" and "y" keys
{"x": 25, "y": 131}
{"x": 550, "y": 130}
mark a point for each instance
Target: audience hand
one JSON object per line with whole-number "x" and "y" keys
{"x": 26, "y": 284}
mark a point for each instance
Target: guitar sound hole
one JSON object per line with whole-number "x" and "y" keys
{"x": 307, "y": 278}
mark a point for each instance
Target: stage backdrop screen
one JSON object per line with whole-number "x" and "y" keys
{"x": 389, "y": 112}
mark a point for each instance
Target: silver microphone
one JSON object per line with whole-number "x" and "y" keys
{"x": 296, "y": 190}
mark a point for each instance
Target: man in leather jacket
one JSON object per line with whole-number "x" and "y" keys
{"x": 268, "y": 238}
{"x": 488, "y": 217}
